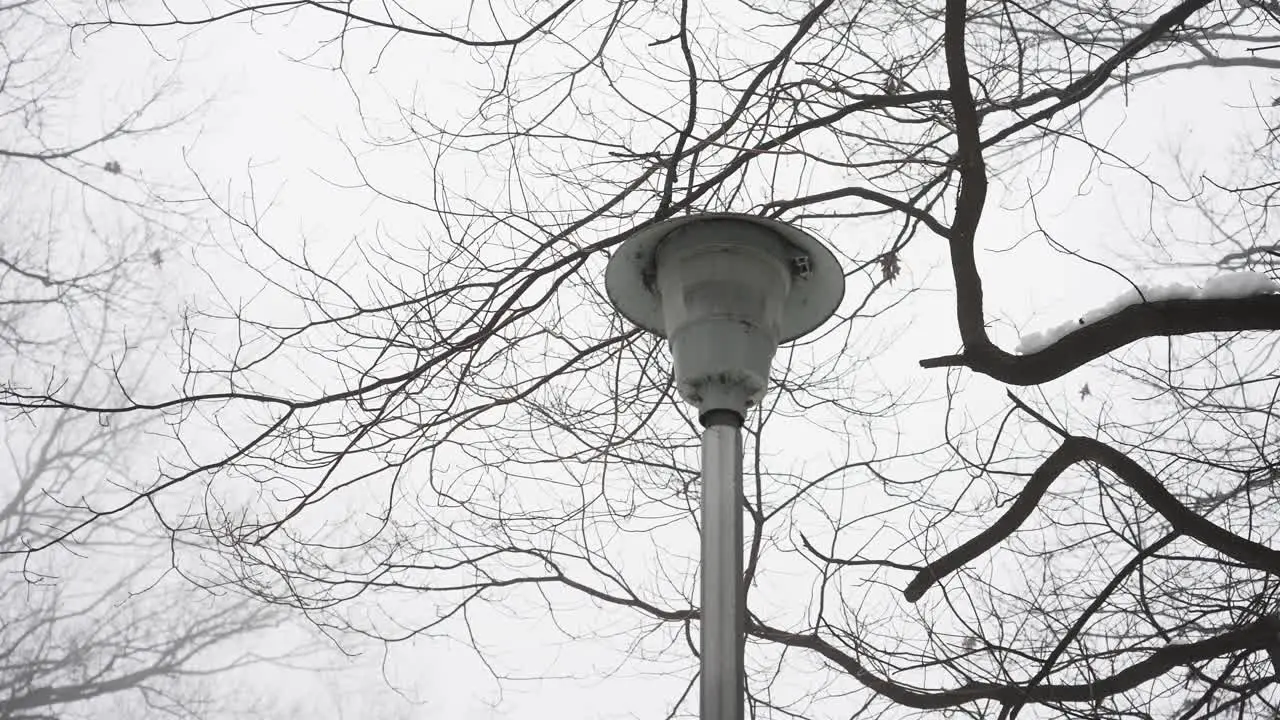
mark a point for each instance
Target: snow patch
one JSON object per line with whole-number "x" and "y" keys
{"x": 1238, "y": 285}
{"x": 1230, "y": 285}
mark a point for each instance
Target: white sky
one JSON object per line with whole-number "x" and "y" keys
{"x": 277, "y": 120}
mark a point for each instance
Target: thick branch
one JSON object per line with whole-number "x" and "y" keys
{"x": 980, "y": 354}
{"x": 1165, "y": 318}
{"x": 972, "y": 196}
{"x": 1061, "y": 459}
{"x": 1076, "y": 449}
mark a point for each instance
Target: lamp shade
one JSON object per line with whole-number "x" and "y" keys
{"x": 724, "y": 290}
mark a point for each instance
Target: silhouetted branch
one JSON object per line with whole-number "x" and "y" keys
{"x": 1157, "y": 661}
{"x": 1075, "y": 449}
{"x": 1164, "y": 318}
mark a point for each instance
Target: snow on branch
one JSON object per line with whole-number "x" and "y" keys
{"x": 1227, "y": 286}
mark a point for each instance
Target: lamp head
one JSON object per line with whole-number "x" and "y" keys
{"x": 724, "y": 289}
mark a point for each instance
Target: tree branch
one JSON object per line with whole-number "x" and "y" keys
{"x": 1165, "y": 318}
{"x": 980, "y": 354}
{"x": 1249, "y": 638}
{"x": 1076, "y": 449}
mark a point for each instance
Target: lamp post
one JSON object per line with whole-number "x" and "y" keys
{"x": 724, "y": 290}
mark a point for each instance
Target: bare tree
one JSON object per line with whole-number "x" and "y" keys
{"x": 101, "y": 626}
{"x": 451, "y": 414}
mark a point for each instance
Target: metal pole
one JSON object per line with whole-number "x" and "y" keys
{"x": 723, "y": 627}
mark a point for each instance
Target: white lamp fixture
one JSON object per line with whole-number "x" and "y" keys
{"x": 724, "y": 289}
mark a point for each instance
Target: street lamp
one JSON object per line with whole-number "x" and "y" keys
{"x": 724, "y": 289}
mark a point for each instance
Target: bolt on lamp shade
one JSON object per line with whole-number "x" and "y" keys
{"x": 724, "y": 290}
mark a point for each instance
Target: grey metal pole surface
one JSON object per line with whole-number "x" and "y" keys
{"x": 723, "y": 627}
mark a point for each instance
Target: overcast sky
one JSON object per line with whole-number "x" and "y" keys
{"x": 276, "y": 121}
